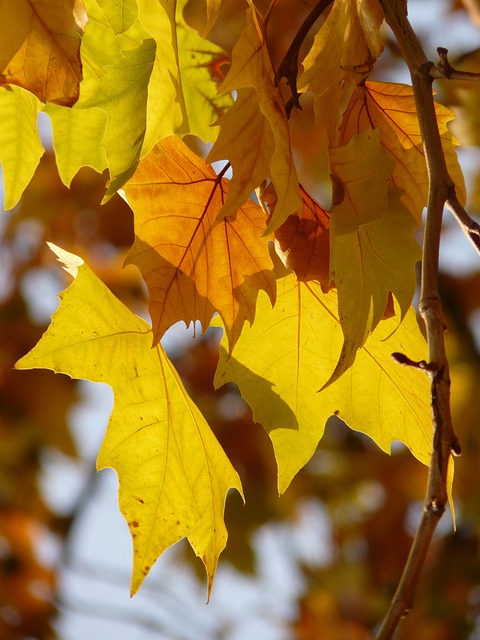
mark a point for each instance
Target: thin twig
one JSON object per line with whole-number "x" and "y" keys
{"x": 441, "y": 189}
{"x": 469, "y": 227}
{"x": 445, "y": 70}
{"x": 289, "y": 66}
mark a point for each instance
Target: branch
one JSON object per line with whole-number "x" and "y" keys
{"x": 441, "y": 190}
{"x": 445, "y": 70}
{"x": 469, "y": 227}
{"x": 289, "y": 66}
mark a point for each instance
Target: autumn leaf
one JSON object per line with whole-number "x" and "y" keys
{"x": 173, "y": 474}
{"x": 182, "y": 95}
{"x": 343, "y": 52}
{"x": 373, "y": 247}
{"x": 41, "y": 51}
{"x": 292, "y": 350}
{"x": 391, "y": 108}
{"x": 258, "y": 120}
{"x": 77, "y": 139}
{"x": 120, "y": 14}
{"x": 21, "y": 147}
{"x": 303, "y": 242}
{"x": 193, "y": 263}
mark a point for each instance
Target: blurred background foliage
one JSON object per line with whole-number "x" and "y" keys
{"x": 345, "y": 525}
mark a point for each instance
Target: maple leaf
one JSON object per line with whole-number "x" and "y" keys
{"x": 120, "y": 15}
{"x": 77, "y": 135}
{"x": 303, "y": 243}
{"x": 41, "y": 52}
{"x": 373, "y": 247}
{"x": 263, "y": 117}
{"x": 193, "y": 263}
{"x": 391, "y": 108}
{"x": 343, "y": 52}
{"x": 21, "y": 147}
{"x": 173, "y": 474}
{"x": 280, "y": 362}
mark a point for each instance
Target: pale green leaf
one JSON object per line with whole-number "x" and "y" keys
{"x": 20, "y": 147}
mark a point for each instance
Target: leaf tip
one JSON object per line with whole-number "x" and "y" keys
{"x": 70, "y": 261}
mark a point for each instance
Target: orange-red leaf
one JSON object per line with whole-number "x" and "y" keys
{"x": 303, "y": 243}
{"x": 391, "y": 108}
{"x": 193, "y": 263}
{"x": 39, "y": 50}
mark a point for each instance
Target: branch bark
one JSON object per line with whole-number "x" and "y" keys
{"x": 441, "y": 190}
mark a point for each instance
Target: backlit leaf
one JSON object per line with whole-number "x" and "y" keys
{"x": 291, "y": 351}
{"x": 343, "y": 52}
{"x": 373, "y": 248}
{"x": 391, "y": 108}
{"x": 193, "y": 263}
{"x": 173, "y": 474}
{"x": 20, "y": 147}
{"x": 77, "y": 139}
{"x": 263, "y": 124}
{"x": 40, "y": 47}
{"x": 121, "y": 14}
{"x": 303, "y": 242}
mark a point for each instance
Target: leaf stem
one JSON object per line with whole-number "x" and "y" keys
{"x": 441, "y": 190}
{"x": 289, "y": 66}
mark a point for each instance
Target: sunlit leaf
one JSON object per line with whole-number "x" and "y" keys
{"x": 343, "y": 52}
{"x": 259, "y": 120}
{"x": 121, "y": 14}
{"x": 20, "y": 147}
{"x": 173, "y": 474}
{"x": 391, "y": 108}
{"x": 193, "y": 263}
{"x": 40, "y": 48}
{"x": 291, "y": 351}
{"x": 373, "y": 247}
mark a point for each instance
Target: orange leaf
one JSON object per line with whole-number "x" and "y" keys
{"x": 193, "y": 263}
{"x": 391, "y": 108}
{"x": 41, "y": 51}
{"x": 303, "y": 243}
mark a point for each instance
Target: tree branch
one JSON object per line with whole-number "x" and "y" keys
{"x": 470, "y": 227}
{"x": 445, "y": 70}
{"x": 441, "y": 189}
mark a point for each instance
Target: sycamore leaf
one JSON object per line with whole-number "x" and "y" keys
{"x": 182, "y": 96}
{"x": 343, "y": 52}
{"x": 173, "y": 474}
{"x": 41, "y": 50}
{"x": 361, "y": 172}
{"x": 373, "y": 248}
{"x": 366, "y": 265}
{"x": 292, "y": 349}
{"x": 21, "y": 147}
{"x": 213, "y": 9}
{"x": 121, "y": 14}
{"x": 193, "y": 263}
{"x": 265, "y": 123}
{"x": 303, "y": 243}
{"x": 77, "y": 139}
{"x": 391, "y": 108}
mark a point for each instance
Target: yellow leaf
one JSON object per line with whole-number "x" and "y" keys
{"x": 173, "y": 474}
{"x": 292, "y": 349}
{"x": 193, "y": 263}
{"x": 40, "y": 48}
{"x": 361, "y": 174}
{"x": 373, "y": 247}
{"x": 121, "y": 14}
{"x": 20, "y": 147}
{"x": 391, "y": 108}
{"x": 343, "y": 52}
{"x": 77, "y": 139}
{"x": 257, "y": 124}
